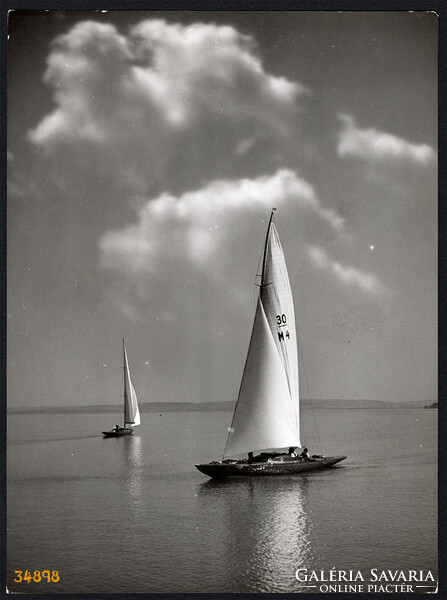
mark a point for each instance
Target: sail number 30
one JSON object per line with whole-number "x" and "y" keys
{"x": 281, "y": 321}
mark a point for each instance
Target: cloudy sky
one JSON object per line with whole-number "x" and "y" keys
{"x": 145, "y": 151}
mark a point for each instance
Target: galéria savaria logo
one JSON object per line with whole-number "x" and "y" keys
{"x": 374, "y": 581}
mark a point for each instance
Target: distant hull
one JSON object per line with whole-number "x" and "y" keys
{"x": 269, "y": 467}
{"x": 119, "y": 433}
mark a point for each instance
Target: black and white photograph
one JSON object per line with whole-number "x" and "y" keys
{"x": 222, "y": 302}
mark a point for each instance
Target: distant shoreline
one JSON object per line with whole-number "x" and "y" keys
{"x": 226, "y": 406}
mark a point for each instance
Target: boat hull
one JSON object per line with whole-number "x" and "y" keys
{"x": 119, "y": 433}
{"x": 272, "y": 467}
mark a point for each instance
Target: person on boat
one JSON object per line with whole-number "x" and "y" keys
{"x": 116, "y": 428}
{"x": 305, "y": 452}
{"x": 292, "y": 452}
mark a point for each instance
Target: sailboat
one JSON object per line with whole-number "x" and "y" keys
{"x": 266, "y": 418}
{"x": 131, "y": 410}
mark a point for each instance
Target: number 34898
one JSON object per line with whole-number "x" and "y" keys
{"x": 36, "y": 576}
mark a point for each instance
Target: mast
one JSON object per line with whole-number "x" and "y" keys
{"x": 125, "y": 386}
{"x": 265, "y": 249}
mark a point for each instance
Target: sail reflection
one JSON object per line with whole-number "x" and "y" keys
{"x": 267, "y": 534}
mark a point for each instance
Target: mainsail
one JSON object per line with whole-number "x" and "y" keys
{"x": 131, "y": 411}
{"x": 267, "y": 410}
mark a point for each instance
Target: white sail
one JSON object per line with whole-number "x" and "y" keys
{"x": 131, "y": 411}
{"x": 277, "y": 299}
{"x": 267, "y": 410}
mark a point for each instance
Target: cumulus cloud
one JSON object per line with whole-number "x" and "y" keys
{"x": 196, "y": 223}
{"x": 186, "y": 70}
{"x": 91, "y": 57}
{"x": 380, "y": 147}
{"x": 163, "y": 106}
{"x": 367, "y": 282}
{"x": 203, "y": 230}
{"x": 142, "y": 102}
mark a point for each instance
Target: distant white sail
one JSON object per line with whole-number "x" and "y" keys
{"x": 267, "y": 410}
{"x": 131, "y": 410}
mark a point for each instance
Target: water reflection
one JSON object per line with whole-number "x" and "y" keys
{"x": 267, "y": 530}
{"x": 133, "y": 456}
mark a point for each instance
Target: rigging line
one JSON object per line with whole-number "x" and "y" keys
{"x": 265, "y": 248}
{"x": 308, "y": 389}
{"x": 257, "y": 292}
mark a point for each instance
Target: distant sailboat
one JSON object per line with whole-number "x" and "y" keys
{"x": 131, "y": 410}
{"x": 267, "y": 414}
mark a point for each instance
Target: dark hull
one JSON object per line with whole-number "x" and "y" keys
{"x": 273, "y": 467}
{"x": 119, "y": 433}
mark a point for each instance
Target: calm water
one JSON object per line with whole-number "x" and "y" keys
{"x": 134, "y": 515}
